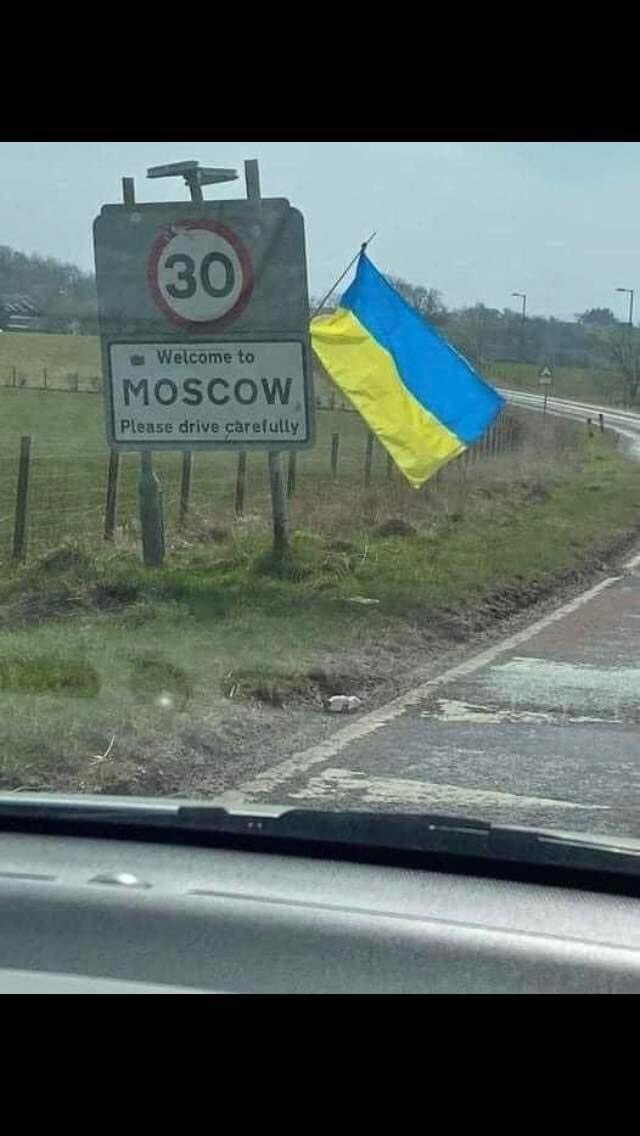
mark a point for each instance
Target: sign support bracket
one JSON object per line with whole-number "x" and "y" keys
{"x": 149, "y": 487}
{"x": 281, "y": 544}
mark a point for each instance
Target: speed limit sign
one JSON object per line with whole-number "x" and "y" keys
{"x": 200, "y": 274}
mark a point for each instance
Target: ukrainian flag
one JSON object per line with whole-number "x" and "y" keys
{"x": 424, "y": 402}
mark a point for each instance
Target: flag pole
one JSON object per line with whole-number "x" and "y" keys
{"x": 342, "y": 276}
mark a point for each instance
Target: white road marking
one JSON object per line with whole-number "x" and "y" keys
{"x": 330, "y": 784}
{"x": 452, "y": 710}
{"x": 549, "y": 681}
{"x": 301, "y": 762}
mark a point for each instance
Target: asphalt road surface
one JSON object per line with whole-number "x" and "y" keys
{"x": 541, "y": 729}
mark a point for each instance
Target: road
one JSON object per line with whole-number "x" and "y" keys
{"x": 541, "y": 729}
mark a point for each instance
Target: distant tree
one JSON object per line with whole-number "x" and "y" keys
{"x": 596, "y": 317}
{"x": 621, "y": 349}
{"x": 472, "y": 330}
{"x": 427, "y": 301}
{"x": 64, "y": 296}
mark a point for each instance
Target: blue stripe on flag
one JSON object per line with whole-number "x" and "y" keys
{"x": 435, "y": 373}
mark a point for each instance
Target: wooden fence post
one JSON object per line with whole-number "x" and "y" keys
{"x": 22, "y": 494}
{"x": 291, "y": 474}
{"x": 241, "y": 478}
{"x": 44, "y": 377}
{"x": 368, "y": 460}
{"x": 151, "y": 516}
{"x": 14, "y": 377}
{"x": 389, "y": 467}
{"x": 111, "y": 502}
{"x": 185, "y": 485}
{"x": 279, "y": 507}
{"x": 335, "y": 442}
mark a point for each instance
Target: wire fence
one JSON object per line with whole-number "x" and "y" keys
{"x": 49, "y": 378}
{"x": 50, "y": 494}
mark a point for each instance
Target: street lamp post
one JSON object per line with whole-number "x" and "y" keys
{"x": 523, "y": 297}
{"x": 630, "y": 293}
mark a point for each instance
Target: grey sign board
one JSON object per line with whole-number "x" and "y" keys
{"x": 204, "y": 320}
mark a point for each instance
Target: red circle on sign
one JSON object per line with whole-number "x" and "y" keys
{"x": 158, "y": 247}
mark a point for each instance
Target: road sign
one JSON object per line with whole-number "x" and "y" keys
{"x": 204, "y": 320}
{"x": 194, "y": 395}
{"x": 545, "y": 377}
{"x": 200, "y": 274}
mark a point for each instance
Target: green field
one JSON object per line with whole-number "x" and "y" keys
{"x": 69, "y": 455}
{"x": 63, "y": 357}
{"x": 30, "y": 354}
{"x": 70, "y": 458}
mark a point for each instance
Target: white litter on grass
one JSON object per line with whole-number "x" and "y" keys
{"x": 165, "y": 700}
{"x": 343, "y": 703}
{"x": 98, "y": 757}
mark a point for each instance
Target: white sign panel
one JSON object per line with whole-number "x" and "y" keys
{"x": 208, "y": 394}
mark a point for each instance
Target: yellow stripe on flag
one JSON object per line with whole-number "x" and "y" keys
{"x": 367, "y": 374}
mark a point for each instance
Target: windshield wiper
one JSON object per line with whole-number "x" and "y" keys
{"x": 430, "y": 839}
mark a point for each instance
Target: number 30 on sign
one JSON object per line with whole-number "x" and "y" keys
{"x": 200, "y": 274}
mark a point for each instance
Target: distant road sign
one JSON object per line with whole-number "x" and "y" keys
{"x": 204, "y": 320}
{"x": 545, "y": 377}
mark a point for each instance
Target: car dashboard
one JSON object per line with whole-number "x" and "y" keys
{"x": 87, "y": 915}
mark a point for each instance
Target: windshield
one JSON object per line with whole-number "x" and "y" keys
{"x": 319, "y": 476}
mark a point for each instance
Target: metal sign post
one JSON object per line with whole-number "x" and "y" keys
{"x": 545, "y": 378}
{"x": 204, "y": 321}
{"x": 149, "y": 488}
{"x": 276, "y": 480}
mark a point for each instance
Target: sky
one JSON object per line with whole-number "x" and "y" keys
{"x": 476, "y": 220}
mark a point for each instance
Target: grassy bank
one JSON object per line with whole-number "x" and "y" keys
{"x": 181, "y": 669}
